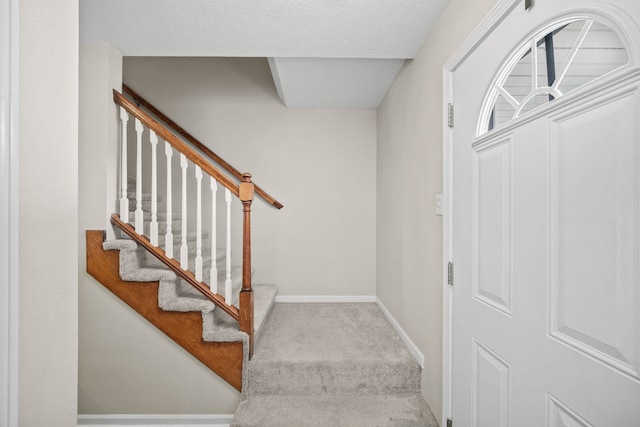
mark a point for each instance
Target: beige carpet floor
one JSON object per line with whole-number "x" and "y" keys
{"x": 331, "y": 365}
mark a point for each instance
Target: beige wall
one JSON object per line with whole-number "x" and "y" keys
{"x": 127, "y": 366}
{"x": 409, "y": 176}
{"x": 99, "y": 129}
{"x": 48, "y": 271}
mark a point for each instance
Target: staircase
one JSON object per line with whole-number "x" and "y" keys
{"x": 341, "y": 364}
{"x": 165, "y": 262}
{"x": 314, "y": 365}
{"x": 134, "y": 267}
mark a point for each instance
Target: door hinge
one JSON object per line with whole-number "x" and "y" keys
{"x": 449, "y": 422}
{"x": 450, "y": 273}
{"x": 450, "y": 115}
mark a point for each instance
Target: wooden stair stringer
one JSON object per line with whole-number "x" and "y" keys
{"x": 223, "y": 358}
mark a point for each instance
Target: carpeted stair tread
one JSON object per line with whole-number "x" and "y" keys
{"x": 356, "y": 330}
{"x": 146, "y": 205}
{"x": 263, "y": 302}
{"x": 177, "y": 238}
{"x": 149, "y": 260}
{"x": 219, "y": 326}
{"x": 147, "y": 275}
{"x": 369, "y": 410}
{"x": 161, "y": 216}
{"x": 176, "y": 222}
{"x": 181, "y": 296}
{"x": 119, "y": 245}
{"x": 131, "y": 195}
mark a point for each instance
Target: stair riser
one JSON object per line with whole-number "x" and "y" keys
{"x": 176, "y": 223}
{"x": 176, "y": 229}
{"x": 131, "y": 195}
{"x": 176, "y": 226}
{"x": 348, "y": 379}
{"x": 180, "y": 296}
{"x": 191, "y": 245}
{"x": 146, "y": 205}
{"x": 177, "y": 239}
{"x": 149, "y": 260}
{"x": 142, "y": 258}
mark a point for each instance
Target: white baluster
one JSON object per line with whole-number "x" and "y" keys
{"x": 153, "y": 228}
{"x": 198, "y": 224}
{"x": 168, "y": 236}
{"x": 139, "y": 214}
{"x": 228, "y": 285}
{"x": 184, "y": 249}
{"x": 213, "y": 283}
{"x": 124, "y": 180}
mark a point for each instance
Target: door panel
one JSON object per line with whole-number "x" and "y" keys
{"x": 594, "y": 231}
{"x": 492, "y": 197}
{"x": 492, "y": 388}
{"x": 562, "y": 416}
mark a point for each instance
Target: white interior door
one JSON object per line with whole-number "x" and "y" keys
{"x": 546, "y": 221}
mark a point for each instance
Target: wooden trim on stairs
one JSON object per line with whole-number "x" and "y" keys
{"x": 195, "y": 142}
{"x": 174, "y": 266}
{"x": 224, "y": 358}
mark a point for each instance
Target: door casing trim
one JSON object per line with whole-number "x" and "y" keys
{"x": 9, "y": 216}
{"x": 499, "y": 12}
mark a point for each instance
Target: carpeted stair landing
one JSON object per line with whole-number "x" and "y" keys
{"x": 331, "y": 365}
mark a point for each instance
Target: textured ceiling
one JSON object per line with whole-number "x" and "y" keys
{"x": 293, "y": 29}
{"x": 260, "y": 28}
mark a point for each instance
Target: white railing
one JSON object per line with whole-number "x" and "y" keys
{"x": 188, "y": 195}
{"x": 191, "y": 202}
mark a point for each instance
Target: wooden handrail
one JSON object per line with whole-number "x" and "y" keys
{"x": 174, "y": 266}
{"x": 199, "y": 145}
{"x": 175, "y": 142}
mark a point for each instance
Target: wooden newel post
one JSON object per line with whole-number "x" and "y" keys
{"x": 246, "y": 294}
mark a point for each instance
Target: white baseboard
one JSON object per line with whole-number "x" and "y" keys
{"x": 413, "y": 349}
{"x": 325, "y": 298}
{"x": 155, "y": 420}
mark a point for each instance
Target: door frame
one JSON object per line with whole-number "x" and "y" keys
{"x": 499, "y": 12}
{"x": 497, "y": 15}
{"x": 9, "y": 138}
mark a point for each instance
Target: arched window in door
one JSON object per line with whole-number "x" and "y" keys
{"x": 560, "y": 58}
